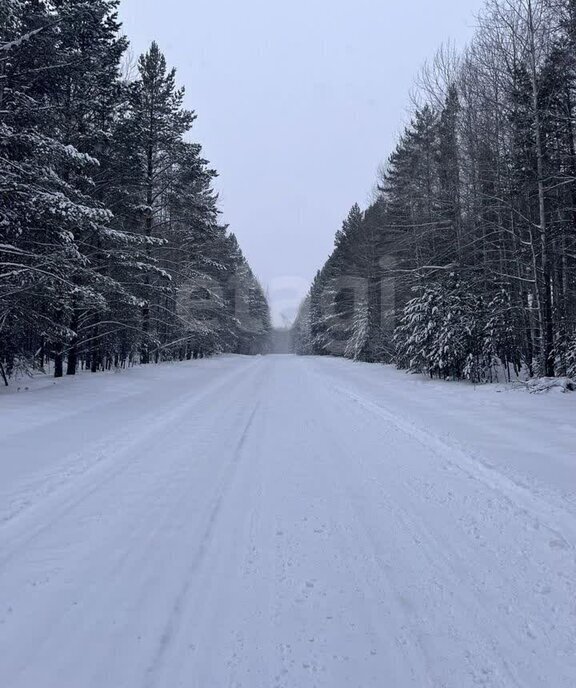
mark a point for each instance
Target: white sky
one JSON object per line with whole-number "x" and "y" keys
{"x": 298, "y": 103}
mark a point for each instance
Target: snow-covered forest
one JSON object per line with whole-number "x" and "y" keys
{"x": 464, "y": 264}
{"x": 111, "y": 247}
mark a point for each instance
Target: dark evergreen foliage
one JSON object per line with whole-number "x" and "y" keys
{"x": 111, "y": 249}
{"x": 469, "y": 251}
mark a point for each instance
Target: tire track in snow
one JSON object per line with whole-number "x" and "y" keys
{"x": 140, "y": 556}
{"x": 459, "y": 578}
{"x": 477, "y": 469}
{"x": 117, "y": 460}
{"x": 179, "y": 607}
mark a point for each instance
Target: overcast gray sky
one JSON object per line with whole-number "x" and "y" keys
{"x": 298, "y": 103}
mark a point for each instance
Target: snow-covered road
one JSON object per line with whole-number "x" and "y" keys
{"x": 280, "y": 522}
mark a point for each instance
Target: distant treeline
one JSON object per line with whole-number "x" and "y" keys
{"x": 111, "y": 249}
{"x": 465, "y": 263}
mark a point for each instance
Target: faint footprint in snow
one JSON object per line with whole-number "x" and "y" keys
{"x": 483, "y": 676}
{"x": 559, "y": 544}
{"x": 313, "y": 666}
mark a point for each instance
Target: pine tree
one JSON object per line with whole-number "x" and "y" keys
{"x": 158, "y": 125}
{"x": 46, "y": 202}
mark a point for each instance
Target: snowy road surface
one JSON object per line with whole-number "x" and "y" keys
{"x": 278, "y": 522}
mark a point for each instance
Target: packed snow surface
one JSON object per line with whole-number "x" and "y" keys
{"x": 282, "y": 522}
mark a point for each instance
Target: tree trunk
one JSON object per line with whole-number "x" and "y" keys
{"x": 547, "y": 333}
{"x": 3, "y": 374}
{"x": 73, "y": 350}
{"x": 58, "y": 365}
{"x": 72, "y": 361}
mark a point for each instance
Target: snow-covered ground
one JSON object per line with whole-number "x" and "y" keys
{"x": 282, "y": 522}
